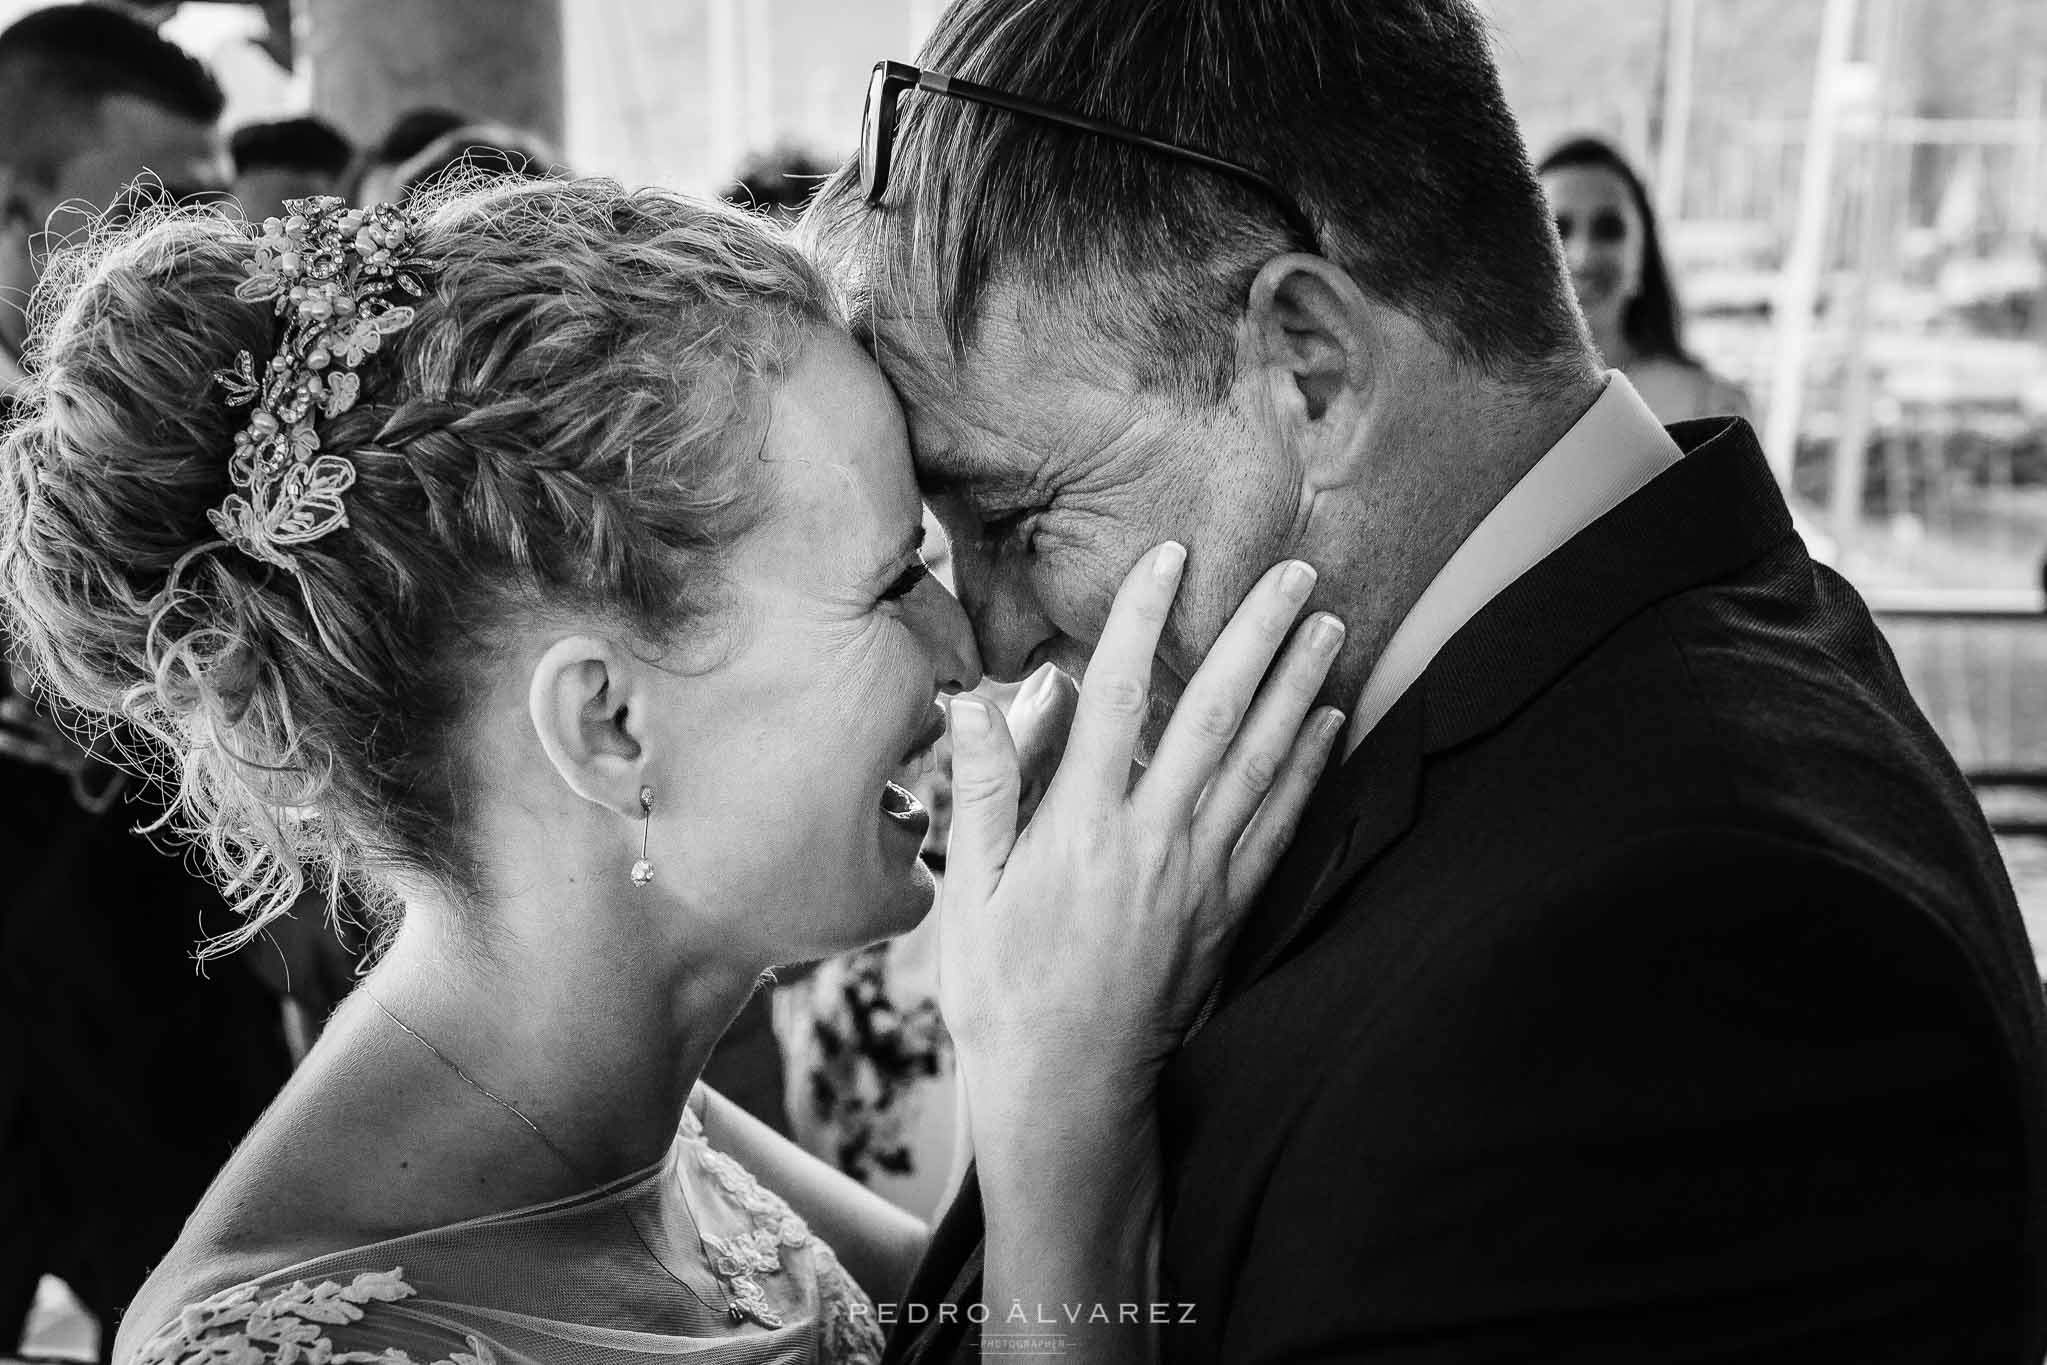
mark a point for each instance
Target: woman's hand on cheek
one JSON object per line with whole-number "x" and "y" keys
{"x": 1074, "y": 953}
{"x": 1040, "y": 718}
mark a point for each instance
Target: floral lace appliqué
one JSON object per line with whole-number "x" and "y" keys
{"x": 239, "y": 1326}
{"x": 851, "y": 1334}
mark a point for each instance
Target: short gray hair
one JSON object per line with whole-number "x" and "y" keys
{"x": 1383, "y": 118}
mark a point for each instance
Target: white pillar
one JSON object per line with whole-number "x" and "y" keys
{"x": 761, "y": 128}
{"x": 1683, "y": 19}
{"x": 2029, "y": 180}
{"x": 371, "y": 60}
{"x": 725, "y": 58}
{"x": 1799, "y": 286}
{"x": 1873, "y": 260}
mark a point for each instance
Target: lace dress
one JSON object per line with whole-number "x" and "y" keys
{"x": 574, "y": 1282}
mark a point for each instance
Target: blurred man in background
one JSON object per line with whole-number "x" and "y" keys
{"x": 293, "y": 158}
{"x": 104, "y": 1024}
{"x": 778, "y": 182}
{"x": 376, "y": 177}
{"x": 88, "y": 99}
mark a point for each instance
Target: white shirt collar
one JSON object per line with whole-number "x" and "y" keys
{"x": 1609, "y": 454}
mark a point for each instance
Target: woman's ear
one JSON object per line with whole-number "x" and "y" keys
{"x": 585, "y": 703}
{"x": 1313, "y": 339}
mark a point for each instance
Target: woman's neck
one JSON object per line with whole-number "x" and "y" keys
{"x": 449, "y": 1087}
{"x": 592, "y": 1048}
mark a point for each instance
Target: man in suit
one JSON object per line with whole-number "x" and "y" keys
{"x": 1644, "y": 983}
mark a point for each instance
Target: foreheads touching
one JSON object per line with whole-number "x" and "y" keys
{"x": 1105, "y": 346}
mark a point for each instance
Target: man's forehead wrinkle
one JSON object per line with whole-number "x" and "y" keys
{"x": 967, "y": 457}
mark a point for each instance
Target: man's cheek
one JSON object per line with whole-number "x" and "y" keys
{"x": 1165, "y": 697}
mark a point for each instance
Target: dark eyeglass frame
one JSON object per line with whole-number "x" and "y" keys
{"x": 889, "y": 81}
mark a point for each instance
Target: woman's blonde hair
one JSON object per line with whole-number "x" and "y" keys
{"x": 564, "y": 426}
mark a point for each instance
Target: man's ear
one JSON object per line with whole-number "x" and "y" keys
{"x": 586, "y": 701}
{"x": 1312, "y": 338}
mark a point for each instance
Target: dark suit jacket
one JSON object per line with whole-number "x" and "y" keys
{"x": 1646, "y": 987}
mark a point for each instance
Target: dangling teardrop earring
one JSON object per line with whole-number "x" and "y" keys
{"x": 643, "y": 871}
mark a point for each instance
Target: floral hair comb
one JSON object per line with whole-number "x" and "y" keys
{"x": 333, "y": 272}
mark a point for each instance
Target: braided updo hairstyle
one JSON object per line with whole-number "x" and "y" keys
{"x": 566, "y": 427}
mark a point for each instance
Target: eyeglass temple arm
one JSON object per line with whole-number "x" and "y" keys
{"x": 938, "y": 83}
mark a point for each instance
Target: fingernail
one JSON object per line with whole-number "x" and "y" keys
{"x": 969, "y": 717}
{"x": 1298, "y": 578}
{"x": 1037, "y": 684}
{"x": 1332, "y": 724}
{"x": 1325, "y": 633}
{"x": 1171, "y": 556}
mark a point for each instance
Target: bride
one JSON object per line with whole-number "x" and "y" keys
{"x": 550, "y": 563}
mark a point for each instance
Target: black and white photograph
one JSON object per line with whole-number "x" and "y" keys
{"x": 902, "y": 682}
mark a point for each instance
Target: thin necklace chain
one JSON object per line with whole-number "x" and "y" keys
{"x": 732, "y": 1308}
{"x": 478, "y": 1086}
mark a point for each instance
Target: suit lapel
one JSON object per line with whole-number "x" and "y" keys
{"x": 1361, "y": 807}
{"x": 1705, "y": 517}
{"x": 1714, "y": 511}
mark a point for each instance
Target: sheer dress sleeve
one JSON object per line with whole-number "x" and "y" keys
{"x": 361, "y": 1322}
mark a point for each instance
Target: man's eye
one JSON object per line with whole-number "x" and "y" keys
{"x": 1006, "y": 525}
{"x": 907, "y": 582}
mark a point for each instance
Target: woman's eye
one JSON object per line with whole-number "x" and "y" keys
{"x": 1609, "y": 227}
{"x": 907, "y": 582}
{"x": 1564, "y": 226}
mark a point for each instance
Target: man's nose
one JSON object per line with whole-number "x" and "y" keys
{"x": 1007, "y": 620}
{"x": 952, "y": 639}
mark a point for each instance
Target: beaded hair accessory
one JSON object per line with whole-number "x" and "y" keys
{"x": 333, "y": 272}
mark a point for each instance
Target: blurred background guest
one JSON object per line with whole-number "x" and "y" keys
{"x": 103, "y": 1020}
{"x": 779, "y": 182}
{"x": 376, "y": 176}
{"x": 473, "y": 149}
{"x": 1608, "y": 229}
{"x": 293, "y": 158}
{"x": 249, "y": 49}
{"x": 89, "y": 97}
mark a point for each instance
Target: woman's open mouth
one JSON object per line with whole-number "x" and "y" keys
{"x": 898, "y": 801}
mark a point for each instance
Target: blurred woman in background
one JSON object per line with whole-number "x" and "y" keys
{"x": 1608, "y": 229}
